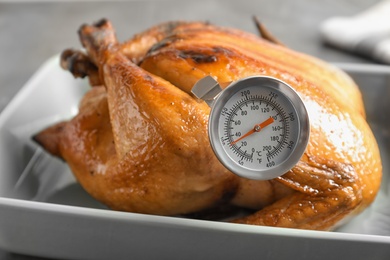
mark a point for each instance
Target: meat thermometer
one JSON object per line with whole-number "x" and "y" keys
{"x": 258, "y": 126}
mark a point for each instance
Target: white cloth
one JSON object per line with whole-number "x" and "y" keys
{"x": 367, "y": 33}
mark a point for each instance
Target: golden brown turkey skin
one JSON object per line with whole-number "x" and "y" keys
{"x": 139, "y": 142}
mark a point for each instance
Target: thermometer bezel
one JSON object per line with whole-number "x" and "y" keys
{"x": 303, "y": 124}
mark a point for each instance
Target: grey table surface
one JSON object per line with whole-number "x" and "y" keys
{"x": 32, "y": 32}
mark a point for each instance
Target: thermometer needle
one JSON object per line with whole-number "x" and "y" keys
{"x": 256, "y": 128}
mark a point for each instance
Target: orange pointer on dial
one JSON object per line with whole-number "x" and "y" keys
{"x": 256, "y": 128}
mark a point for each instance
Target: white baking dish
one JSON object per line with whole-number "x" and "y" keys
{"x": 45, "y": 212}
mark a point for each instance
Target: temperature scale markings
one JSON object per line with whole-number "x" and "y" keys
{"x": 242, "y": 154}
{"x": 269, "y": 102}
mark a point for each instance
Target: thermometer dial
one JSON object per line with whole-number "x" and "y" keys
{"x": 258, "y": 126}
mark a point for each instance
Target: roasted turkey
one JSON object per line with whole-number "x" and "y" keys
{"x": 139, "y": 142}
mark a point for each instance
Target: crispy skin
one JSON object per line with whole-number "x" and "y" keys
{"x": 139, "y": 142}
{"x": 135, "y": 49}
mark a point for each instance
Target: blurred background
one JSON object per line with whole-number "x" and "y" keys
{"x": 32, "y": 32}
